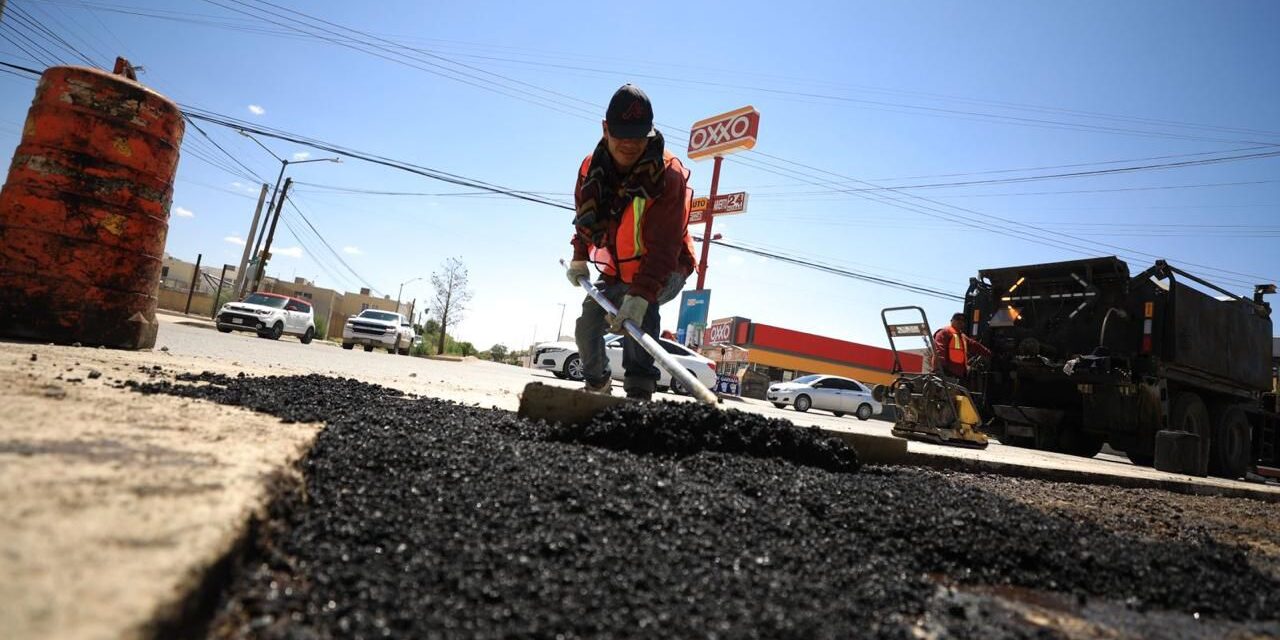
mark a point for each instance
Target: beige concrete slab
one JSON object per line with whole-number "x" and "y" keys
{"x": 113, "y": 506}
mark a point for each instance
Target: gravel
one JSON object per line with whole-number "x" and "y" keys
{"x": 425, "y": 518}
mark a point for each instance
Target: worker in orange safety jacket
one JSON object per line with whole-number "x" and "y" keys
{"x": 951, "y": 349}
{"x": 632, "y": 222}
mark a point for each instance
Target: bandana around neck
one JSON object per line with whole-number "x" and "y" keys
{"x": 606, "y": 193}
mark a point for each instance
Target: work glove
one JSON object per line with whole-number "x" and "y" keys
{"x": 577, "y": 269}
{"x": 632, "y": 308}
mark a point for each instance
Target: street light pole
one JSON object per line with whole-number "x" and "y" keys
{"x": 284, "y": 164}
{"x": 271, "y": 234}
{"x": 402, "y": 284}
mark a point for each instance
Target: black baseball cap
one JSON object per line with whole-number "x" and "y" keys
{"x": 630, "y": 114}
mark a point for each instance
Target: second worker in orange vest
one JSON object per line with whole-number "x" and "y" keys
{"x": 632, "y": 222}
{"x": 951, "y": 349}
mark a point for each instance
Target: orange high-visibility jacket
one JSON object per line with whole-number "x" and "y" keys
{"x": 650, "y": 240}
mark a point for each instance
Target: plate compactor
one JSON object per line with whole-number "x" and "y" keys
{"x": 930, "y": 407}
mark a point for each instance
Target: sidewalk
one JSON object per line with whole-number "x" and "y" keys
{"x": 189, "y": 319}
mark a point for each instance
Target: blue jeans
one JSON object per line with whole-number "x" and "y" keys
{"x": 641, "y": 376}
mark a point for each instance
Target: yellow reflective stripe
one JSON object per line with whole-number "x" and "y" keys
{"x": 637, "y": 209}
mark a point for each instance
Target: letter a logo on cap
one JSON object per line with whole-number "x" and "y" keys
{"x": 635, "y": 111}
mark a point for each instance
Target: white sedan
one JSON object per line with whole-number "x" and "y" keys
{"x": 561, "y": 359}
{"x": 828, "y": 393}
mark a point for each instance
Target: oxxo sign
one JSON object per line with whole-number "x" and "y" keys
{"x": 719, "y": 333}
{"x": 727, "y": 132}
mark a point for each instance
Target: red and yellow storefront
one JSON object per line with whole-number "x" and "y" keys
{"x": 778, "y": 354}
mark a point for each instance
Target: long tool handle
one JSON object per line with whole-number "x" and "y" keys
{"x": 699, "y": 390}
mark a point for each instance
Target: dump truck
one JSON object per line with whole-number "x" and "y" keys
{"x": 1164, "y": 366}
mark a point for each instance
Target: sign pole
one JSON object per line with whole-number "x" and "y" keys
{"x": 706, "y": 230}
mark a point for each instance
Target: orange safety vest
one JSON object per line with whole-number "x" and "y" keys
{"x": 958, "y": 351}
{"x": 629, "y": 237}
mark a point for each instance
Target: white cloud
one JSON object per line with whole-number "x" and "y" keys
{"x": 355, "y": 251}
{"x": 236, "y": 240}
{"x": 256, "y": 110}
{"x": 183, "y": 212}
{"x": 292, "y": 252}
{"x": 301, "y": 155}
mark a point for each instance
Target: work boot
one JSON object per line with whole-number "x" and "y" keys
{"x": 640, "y": 394}
{"x": 604, "y": 388}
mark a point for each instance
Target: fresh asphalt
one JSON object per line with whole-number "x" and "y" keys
{"x": 495, "y": 385}
{"x": 423, "y": 518}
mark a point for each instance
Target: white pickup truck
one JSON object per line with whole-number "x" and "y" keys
{"x": 373, "y": 328}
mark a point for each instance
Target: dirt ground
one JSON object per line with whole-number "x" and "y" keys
{"x": 112, "y": 503}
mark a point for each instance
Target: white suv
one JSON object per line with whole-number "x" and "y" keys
{"x": 373, "y": 328}
{"x": 270, "y": 315}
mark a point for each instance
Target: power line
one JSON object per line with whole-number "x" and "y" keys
{"x": 48, "y": 34}
{"x": 330, "y": 247}
{"x": 848, "y": 273}
{"x": 231, "y": 122}
{"x": 332, "y": 273}
{"x": 234, "y": 159}
{"x": 1023, "y": 235}
{"x": 1059, "y": 176}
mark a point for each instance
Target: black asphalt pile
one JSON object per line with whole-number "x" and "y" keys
{"x": 686, "y": 428}
{"x": 309, "y": 398}
{"x": 424, "y": 518}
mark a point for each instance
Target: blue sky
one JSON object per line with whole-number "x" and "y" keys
{"x": 893, "y": 94}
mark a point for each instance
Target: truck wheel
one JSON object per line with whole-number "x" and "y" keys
{"x": 348, "y": 346}
{"x": 1141, "y": 459}
{"x": 1189, "y": 414}
{"x": 368, "y": 348}
{"x": 223, "y": 329}
{"x": 1076, "y": 443}
{"x": 1230, "y": 447}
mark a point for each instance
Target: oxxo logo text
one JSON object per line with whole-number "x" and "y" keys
{"x": 725, "y": 132}
{"x": 719, "y": 333}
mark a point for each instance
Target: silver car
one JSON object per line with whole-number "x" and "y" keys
{"x": 828, "y": 393}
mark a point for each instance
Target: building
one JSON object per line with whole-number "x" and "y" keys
{"x": 175, "y": 285}
{"x": 324, "y": 302}
{"x": 352, "y": 304}
{"x": 330, "y": 307}
{"x": 761, "y": 354}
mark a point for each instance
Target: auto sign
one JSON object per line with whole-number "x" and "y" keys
{"x": 726, "y": 204}
{"x": 725, "y": 133}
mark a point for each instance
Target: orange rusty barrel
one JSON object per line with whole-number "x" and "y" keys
{"x": 85, "y": 211}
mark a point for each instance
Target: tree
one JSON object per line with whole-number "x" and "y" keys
{"x": 452, "y": 296}
{"x": 466, "y": 348}
{"x": 498, "y": 353}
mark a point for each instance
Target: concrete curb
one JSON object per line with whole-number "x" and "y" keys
{"x": 447, "y": 358}
{"x": 1085, "y": 477}
{"x": 890, "y": 450}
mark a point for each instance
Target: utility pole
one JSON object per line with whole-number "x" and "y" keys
{"x": 221, "y": 280}
{"x": 560, "y": 331}
{"x": 706, "y": 231}
{"x": 249, "y": 244}
{"x": 284, "y": 164}
{"x": 195, "y": 274}
{"x": 271, "y": 234}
